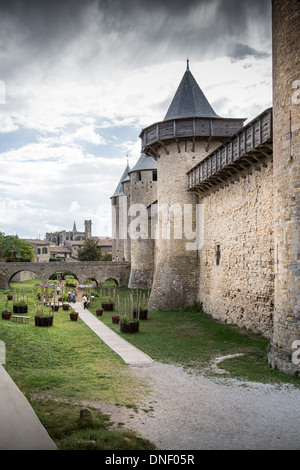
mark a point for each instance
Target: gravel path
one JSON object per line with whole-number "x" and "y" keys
{"x": 190, "y": 412}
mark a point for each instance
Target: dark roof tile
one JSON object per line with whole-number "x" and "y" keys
{"x": 189, "y": 100}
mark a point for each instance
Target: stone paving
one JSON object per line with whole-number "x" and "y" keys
{"x": 130, "y": 354}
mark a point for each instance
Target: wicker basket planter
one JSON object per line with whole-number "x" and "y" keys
{"x": 6, "y": 315}
{"x": 108, "y": 307}
{"x": 74, "y": 316}
{"x": 43, "y": 321}
{"x": 143, "y": 314}
{"x": 129, "y": 327}
{"x": 20, "y": 308}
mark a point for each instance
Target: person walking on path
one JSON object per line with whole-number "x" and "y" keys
{"x": 73, "y": 293}
{"x": 84, "y": 298}
{"x": 69, "y": 296}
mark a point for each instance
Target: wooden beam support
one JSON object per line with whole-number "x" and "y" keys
{"x": 164, "y": 147}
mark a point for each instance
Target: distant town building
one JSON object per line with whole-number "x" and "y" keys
{"x": 41, "y": 249}
{"x": 60, "y": 237}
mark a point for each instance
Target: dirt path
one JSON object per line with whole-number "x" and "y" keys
{"x": 190, "y": 412}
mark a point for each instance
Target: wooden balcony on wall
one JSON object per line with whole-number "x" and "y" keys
{"x": 159, "y": 134}
{"x": 250, "y": 148}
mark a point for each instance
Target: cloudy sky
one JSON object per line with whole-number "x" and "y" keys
{"x": 80, "y": 79}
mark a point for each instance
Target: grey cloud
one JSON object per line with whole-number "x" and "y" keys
{"x": 50, "y": 24}
{"x": 242, "y": 51}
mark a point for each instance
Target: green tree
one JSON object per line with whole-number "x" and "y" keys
{"x": 1, "y": 250}
{"x": 12, "y": 248}
{"x": 90, "y": 251}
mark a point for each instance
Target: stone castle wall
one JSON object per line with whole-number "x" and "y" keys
{"x": 286, "y": 142}
{"x": 247, "y": 271}
{"x": 236, "y": 277}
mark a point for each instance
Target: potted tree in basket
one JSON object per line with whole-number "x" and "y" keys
{"x": 65, "y": 303}
{"x": 41, "y": 318}
{"x": 128, "y": 324}
{"x": 6, "y": 314}
{"x": 141, "y": 309}
{"x": 20, "y": 302}
{"x": 108, "y": 303}
{"x": 116, "y": 318}
{"x": 73, "y": 316}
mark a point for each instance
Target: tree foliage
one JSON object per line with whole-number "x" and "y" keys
{"x": 13, "y": 249}
{"x": 90, "y": 251}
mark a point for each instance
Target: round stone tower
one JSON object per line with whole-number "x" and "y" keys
{"x": 119, "y": 220}
{"x": 191, "y": 129}
{"x": 285, "y": 345}
{"x": 143, "y": 193}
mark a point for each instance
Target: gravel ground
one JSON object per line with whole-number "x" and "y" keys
{"x": 190, "y": 412}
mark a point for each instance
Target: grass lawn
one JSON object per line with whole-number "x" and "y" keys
{"x": 68, "y": 361}
{"x": 193, "y": 339}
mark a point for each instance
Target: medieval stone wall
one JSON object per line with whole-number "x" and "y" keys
{"x": 236, "y": 277}
{"x": 286, "y": 142}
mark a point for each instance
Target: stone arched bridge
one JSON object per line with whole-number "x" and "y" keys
{"x": 99, "y": 271}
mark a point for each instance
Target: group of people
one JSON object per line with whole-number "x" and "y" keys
{"x": 72, "y": 296}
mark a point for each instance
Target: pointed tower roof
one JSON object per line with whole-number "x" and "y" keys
{"x": 119, "y": 189}
{"x": 144, "y": 163}
{"x": 189, "y": 100}
{"x": 74, "y": 227}
{"x": 190, "y": 116}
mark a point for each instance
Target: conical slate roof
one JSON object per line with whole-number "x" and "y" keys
{"x": 119, "y": 189}
{"x": 189, "y": 100}
{"x": 144, "y": 163}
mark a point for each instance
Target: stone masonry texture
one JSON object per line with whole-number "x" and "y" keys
{"x": 237, "y": 258}
{"x": 286, "y": 144}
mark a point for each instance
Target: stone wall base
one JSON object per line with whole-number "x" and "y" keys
{"x": 281, "y": 359}
{"x": 140, "y": 279}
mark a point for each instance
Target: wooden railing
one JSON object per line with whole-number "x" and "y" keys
{"x": 189, "y": 128}
{"x": 249, "y": 145}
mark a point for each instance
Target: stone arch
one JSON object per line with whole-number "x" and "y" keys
{"x": 92, "y": 278}
{"x": 115, "y": 282}
{"x": 58, "y": 271}
{"x": 15, "y": 272}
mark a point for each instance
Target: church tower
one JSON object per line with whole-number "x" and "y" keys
{"x": 286, "y": 160}
{"x": 88, "y": 229}
{"x": 189, "y": 132}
